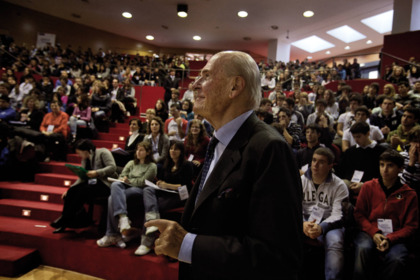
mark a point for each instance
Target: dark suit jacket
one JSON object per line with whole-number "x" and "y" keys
{"x": 248, "y": 217}
{"x": 168, "y": 84}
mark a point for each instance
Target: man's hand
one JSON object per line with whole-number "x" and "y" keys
{"x": 413, "y": 154}
{"x": 170, "y": 239}
{"x": 355, "y": 187}
{"x": 312, "y": 230}
{"x": 385, "y": 130}
{"x": 92, "y": 174}
{"x": 382, "y": 243}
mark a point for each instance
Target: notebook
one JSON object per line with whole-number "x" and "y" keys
{"x": 78, "y": 170}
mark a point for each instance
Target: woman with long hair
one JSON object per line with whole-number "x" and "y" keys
{"x": 195, "y": 144}
{"x": 161, "y": 110}
{"x": 332, "y": 106}
{"x": 81, "y": 116}
{"x": 389, "y": 90}
{"x": 130, "y": 183}
{"x": 158, "y": 139}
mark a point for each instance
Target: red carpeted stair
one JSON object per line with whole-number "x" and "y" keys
{"x": 26, "y": 238}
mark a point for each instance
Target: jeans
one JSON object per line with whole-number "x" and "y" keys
{"x": 334, "y": 253}
{"x": 117, "y": 204}
{"x": 74, "y": 123}
{"x": 373, "y": 264}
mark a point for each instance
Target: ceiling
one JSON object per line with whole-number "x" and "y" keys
{"x": 217, "y": 23}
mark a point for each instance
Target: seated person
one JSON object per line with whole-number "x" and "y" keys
{"x": 411, "y": 173}
{"x": 327, "y": 131}
{"x": 7, "y": 113}
{"x": 346, "y": 120}
{"x": 323, "y": 193}
{"x": 265, "y": 111}
{"x": 399, "y": 136}
{"x": 362, "y": 115}
{"x": 195, "y": 144}
{"x": 176, "y": 126}
{"x": 291, "y": 132}
{"x": 304, "y": 154}
{"x": 320, "y": 106}
{"x": 296, "y": 116}
{"x": 177, "y": 172}
{"x": 132, "y": 183}
{"x": 387, "y": 214}
{"x": 150, "y": 113}
{"x": 30, "y": 114}
{"x": 81, "y": 116}
{"x": 360, "y": 163}
{"x": 86, "y": 189}
{"x": 122, "y": 157}
{"x": 55, "y": 128}
{"x": 187, "y": 110}
{"x": 101, "y": 106}
{"x": 158, "y": 139}
{"x": 174, "y": 99}
{"x": 387, "y": 119}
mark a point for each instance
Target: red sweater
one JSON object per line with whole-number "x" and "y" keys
{"x": 401, "y": 207}
{"x": 59, "y": 122}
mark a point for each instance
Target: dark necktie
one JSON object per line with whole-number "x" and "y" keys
{"x": 207, "y": 162}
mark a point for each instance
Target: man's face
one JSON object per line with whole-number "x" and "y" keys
{"x": 402, "y": 89}
{"x": 389, "y": 170}
{"x": 115, "y": 83}
{"x": 4, "y": 104}
{"x": 55, "y": 108}
{"x": 361, "y": 139}
{"x": 211, "y": 90}
{"x": 312, "y": 135}
{"x": 353, "y": 105}
{"x": 284, "y": 117}
{"x": 360, "y": 116}
{"x": 387, "y": 106}
{"x": 320, "y": 166}
{"x": 174, "y": 112}
{"x": 266, "y": 107}
{"x": 408, "y": 119}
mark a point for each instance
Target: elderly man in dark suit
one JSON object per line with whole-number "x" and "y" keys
{"x": 243, "y": 219}
{"x": 170, "y": 83}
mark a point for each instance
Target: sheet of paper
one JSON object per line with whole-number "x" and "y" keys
{"x": 150, "y": 184}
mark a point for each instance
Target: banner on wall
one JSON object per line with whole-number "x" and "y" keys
{"x": 44, "y": 38}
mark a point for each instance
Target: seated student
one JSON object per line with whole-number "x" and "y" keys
{"x": 30, "y": 114}
{"x": 320, "y": 106}
{"x": 387, "y": 214}
{"x": 303, "y": 106}
{"x": 291, "y": 132}
{"x": 323, "y": 193}
{"x": 101, "y": 106}
{"x": 176, "y": 172}
{"x": 100, "y": 165}
{"x": 411, "y": 173}
{"x": 361, "y": 115}
{"x": 7, "y": 113}
{"x": 296, "y": 116}
{"x": 176, "y": 126}
{"x": 150, "y": 113}
{"x": 387, "y": 119}
{"x": 158, "y": 139}
{"x": 195, "y": 144}
{"x": 265, "y": 111}
{"x": 174, "y": 99}
{"x": 404, "y": 98}
{"x": 409, "y": 120}
{"x": 360, "y": 163}
{"x": 304, "y": 154}
{"x": 187, "y": 110}
{"x": 122, "y": 157}
{"x": 345, "y": 120}
{"x": 327, "y": 131}
{"x": 54, "y": 126}
{"x": 81, "y": 116}
{"x": 132, "y": 183}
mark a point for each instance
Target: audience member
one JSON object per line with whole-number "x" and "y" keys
{"x": 361, "y": 115}
{"x": 158, "y": 139}
{"x": 304, "y": 154}
{"x": 100, "y": 165}
{"x": 195, "y": 144}
{"x": 189, "y": 93}
{"x": 7, "y": 113}
{"x": 296, "y": 117}
{"x": 359, "y": 163}
{"x": 323, "y": 195}
{"x": 30, "y": 114}
{"x": 100, "y": 107}
{"x": 170, "y": 83}
{"x": 369, "y": 100}
{"x": 320, "y": 106}
{"x": 332, "y": 106}
{"x": 161, "y": 110}
{"x": 409, "y": 119}
{"x": 81, "y": 116}
{"x": 187, "y": 110}
{"x": 130, "y": 184}
{"x": 387, "y": 214}
{"x": 387, "y": 119}
{"x": 291, "y": 132}
{"x": 176, "y": 126}
{"x": 175, "y": 99}
{"x": 403, "y": 98}
{"x": 345, "y": 120}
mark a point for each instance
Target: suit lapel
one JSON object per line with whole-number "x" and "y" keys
{"x": 226, "y": 163}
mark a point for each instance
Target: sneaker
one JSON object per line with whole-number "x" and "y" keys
{"x": 110, "y": 240}
{"x": 142, "y": 250}
{"x": 124, "y": 226}
{"x": 150, "y": 230}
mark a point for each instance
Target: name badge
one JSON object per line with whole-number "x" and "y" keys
{"x": 304, "y": 168}
{"x": 50, "y": 128}
{"x": 357, "y": 176}
{"x": 183, "y": 192}
{"x": 92, "y": 181}
{"x": 316, "y": 215}
{"x": 385, "y": 225}
{"x": 191, "y": 157}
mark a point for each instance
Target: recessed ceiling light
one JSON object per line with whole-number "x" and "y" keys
{"x": 346, "y": 34}
{"x": 150, "y": 37}
{"x": 127, "y": 15}
{"x": 308, "y": 14}
{"x": 309, "y": 57}
{"x": 197, "y": 38}
{"x": 369, "y": 42}
{"x": 347, "y": 48}
{"x": 313, "y": 44}
{"x": 327, "y": 52}
{"x": 182, "y": 10}
{"x": 242, "y": 14}
{"x": 381, "y": 23}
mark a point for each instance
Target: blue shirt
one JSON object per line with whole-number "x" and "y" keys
{"x": 224, "y": 135}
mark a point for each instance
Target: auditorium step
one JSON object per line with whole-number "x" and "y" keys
{"x": 108, "y": 144}
{"x": 31, "y": 192}
{"x": 55, "y": 179}
{"x": 112, "y": 136}
{"x": 56, "y": 167}
{"x": 15, "y": 261}
{"x": 30, "y": 209}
